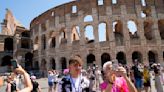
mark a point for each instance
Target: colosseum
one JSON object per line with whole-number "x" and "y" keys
{"x": 98, "y": 31}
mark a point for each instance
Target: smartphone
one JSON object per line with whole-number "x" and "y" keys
{"x": 14, "y": 63}
{"x": 115, "y": 65}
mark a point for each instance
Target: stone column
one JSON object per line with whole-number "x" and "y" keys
{"x": 95, "y": 31}
{"x": 82, "y": 38}
{"x": 69, "y": 36}
{"x": 39, "y": 46}
{"x": 57, "y": 40}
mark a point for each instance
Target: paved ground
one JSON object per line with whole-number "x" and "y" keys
{"x": 44, "y": 85}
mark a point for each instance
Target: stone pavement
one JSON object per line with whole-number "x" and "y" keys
{"x": 44, "y": 85}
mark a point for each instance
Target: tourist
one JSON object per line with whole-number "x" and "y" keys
{"x": 11, "y": 85}
{"x": 50, "y": 81}
{"x": 74, "y": 81}
{"x": 116, "y": 80}
{"x": 27, "y": 82}
{"x": 158, "y": 82}
{"x": 146, "y": 78}
{"x": 137, "y": 75}
{"x": 36, "y": 86}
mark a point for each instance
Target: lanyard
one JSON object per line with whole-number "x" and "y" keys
{"x": 73, "y": 83}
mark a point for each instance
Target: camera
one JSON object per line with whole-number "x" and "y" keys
{"x": 14, "y": 63}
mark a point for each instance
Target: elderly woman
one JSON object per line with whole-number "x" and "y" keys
{"x": 116, "y": 80}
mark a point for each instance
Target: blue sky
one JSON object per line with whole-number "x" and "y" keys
{"x": 26, "y": 10}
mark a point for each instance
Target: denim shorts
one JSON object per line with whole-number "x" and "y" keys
{"x": 138, "y": 83}
{"x": 50, "y": 83}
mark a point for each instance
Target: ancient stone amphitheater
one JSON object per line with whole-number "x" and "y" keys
{"x": 98, "y": 31}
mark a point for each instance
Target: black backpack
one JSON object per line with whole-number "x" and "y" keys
{"x": 35, "y": 86}
{"x": 13, "y": 87}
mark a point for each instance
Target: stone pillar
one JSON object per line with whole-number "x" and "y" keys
{"x": 82, "y": 30}
{"x": 39, "y": 46}
{"x": 156, "y": 32}
{"x": 145, "y": 55}
{"x": 57, "y": 40}
{"x": 69, "y": 36}
{"x": 58, "y": 63}
{"x": 95, "y": 31}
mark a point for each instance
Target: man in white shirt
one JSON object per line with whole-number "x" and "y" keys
{"x": 74, "y": 81}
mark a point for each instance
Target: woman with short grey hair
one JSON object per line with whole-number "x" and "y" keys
{"x": 116, "y": 79}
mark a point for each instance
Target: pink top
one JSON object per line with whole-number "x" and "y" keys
{"x": 119, "y": 85}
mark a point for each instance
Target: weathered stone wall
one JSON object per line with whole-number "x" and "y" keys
{"x": 61, "y": 17}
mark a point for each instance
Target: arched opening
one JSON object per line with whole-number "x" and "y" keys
{"x": 114, "y": 1}
{"x": 43, "y": 27}
{"x": 52, "y": 64}
{"x": 88, "y": 18}
{"x": 90, "y": 59}
{"x": 36, "y": 65}
{"x": 132, "y": 27}
{"x": 148, "y": 32}
{"x": 63, "y": 63}
{"x": 136, "y": 56}
{"x": 118, "y": 32}
{"x": 100, "y": 2}
{"x": 28, "y": 61}
{"x": 43, "y": 41}
{"x": 6, "y": 61}
{"x": 43, "y": 64}
{"x": 53, "y": 42}
{"x": 36, "y": 44}
{"x": 25, "y": 34}
{"x": 25, "y": 43}
{"x": 104, "y": 58}
{"x": 75, "y": 33}
{"x": 121, "y": 58}
{"x": 8, "y": 44}
{"x": 161, "y": 28}
{"x": 102, "y": 31}
{"x": 89, "y": 34}
{"x": 62, "y": 36}
{"x": 143, "y": 2}
{"x": 152, "y": 57}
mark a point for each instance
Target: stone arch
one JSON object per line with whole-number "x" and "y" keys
{"x": 132, "y": 27}
{"x": 44, "y": 64}
{"x": 136, "y": 55}
{"x": 63, "y": 63}
{"x": 88, "y": 18}
{"x": 104, "y": 58}
{"x": 90, "y": 59}
{"x": 89, "y": 33}
{"x": 36, "y": 43}
{"x": 75, "y": 33}
{"x": 25, "y": 43}
{"x": 28, "y": 60}
{"x": 118, "y": 32}
{"x": 121, "y": 57}
{"x": 148, "y": 31}
{"x": 52, "y": 64}
{"x": 152, "y": 57}
{"x": 25, "y": 34}
{"x": 161, "y": 28}
{"x": 102, "y": 31}
{"x": 43, "y": 41}
{"x": 6, "y": 61}
{"x": 8, "y": 44}
{"x": 62, "y": 36}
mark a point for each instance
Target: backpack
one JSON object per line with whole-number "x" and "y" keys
{"x": 13, "y": 87}
{"x": 35, "y": 86}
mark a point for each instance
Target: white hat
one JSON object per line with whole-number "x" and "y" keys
{"x": 33, "y": 77}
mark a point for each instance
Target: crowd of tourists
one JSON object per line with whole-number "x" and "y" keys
{"x": 113, "y": 77}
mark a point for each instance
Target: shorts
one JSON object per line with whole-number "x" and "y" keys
{"x": 50, "y": 83}
{"x": 138, "y": 83}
